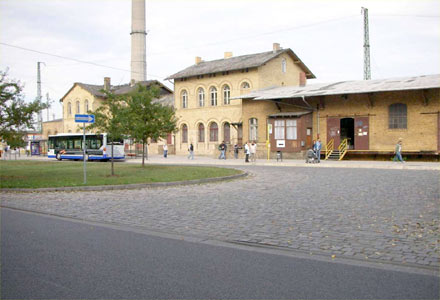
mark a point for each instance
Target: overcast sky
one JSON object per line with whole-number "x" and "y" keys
{"x": 326, "y": 35}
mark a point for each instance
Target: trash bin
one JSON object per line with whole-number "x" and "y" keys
{"x": 279, "y": 155}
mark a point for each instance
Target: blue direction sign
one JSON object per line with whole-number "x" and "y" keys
{"x": 85, "y": 118}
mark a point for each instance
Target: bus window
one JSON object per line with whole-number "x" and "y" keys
{"x": 77, "y": 143}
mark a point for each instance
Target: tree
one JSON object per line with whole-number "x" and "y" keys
{"x": 147, "y": 118}
{"x": 16, "y": 116}
{"x": 110, "y": 119}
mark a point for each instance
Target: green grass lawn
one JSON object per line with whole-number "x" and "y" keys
{"x": 40, "y": 174}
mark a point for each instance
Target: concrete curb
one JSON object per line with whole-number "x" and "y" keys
{"x": 125, "y": 186}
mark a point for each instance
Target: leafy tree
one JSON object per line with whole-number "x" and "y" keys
{"x": 110, "y": 119}
{"x": 147, "y": 118}
{"x": 16, "y": 116}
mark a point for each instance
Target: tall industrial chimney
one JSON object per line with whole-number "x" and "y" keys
{"x": 138, "y": 47}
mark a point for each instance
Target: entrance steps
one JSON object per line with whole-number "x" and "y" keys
{"x": 335, "y": 155}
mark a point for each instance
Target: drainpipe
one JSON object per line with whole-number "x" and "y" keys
{"x": 317, "y": 114}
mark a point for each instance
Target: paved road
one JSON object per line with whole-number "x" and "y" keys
{"x": 389, "y": 216}
{"x": 53, "y": 258}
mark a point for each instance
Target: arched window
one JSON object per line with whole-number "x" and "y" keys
{"x": 227, "y": 132}
{"x": 245, "y": 85}
{"x": 69, "y": 108}
{"x": 201, "y": 133}
{"x": 201, "y": 94}
{"x": 226, "y": 94}
{"x": 86, "y": 106}
{"x": 253, "y": 129}
{"x": 213, "y": 132}
{"x": 284, "y": 65}
{"x": 77, "y": 107}
{"x": 397, "y": 116}
{"x": 184, "y": 99}
{"x": 184, "y": 133}
{"x": 213, "y": 92}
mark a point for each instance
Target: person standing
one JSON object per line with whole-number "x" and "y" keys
{"x": 317, "y": 149}
{"x": 253, "y": 152}
{"x": 191, "y": 151}
{"x": 246, "y": 152}
{"x": 398, "y": 151}
{"x": 165, "y": 150}
{"x": 222, "y": 148}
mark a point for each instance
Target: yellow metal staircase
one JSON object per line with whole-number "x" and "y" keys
{"x": 336, "y": 154}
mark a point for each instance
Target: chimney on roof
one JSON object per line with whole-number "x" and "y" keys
{"x": 198, "y": 60}
{"x": 107, "y": 83}
{"x": 276, "y": 47}
{"x": 228, "y": 54}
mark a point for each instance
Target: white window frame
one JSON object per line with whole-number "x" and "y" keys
{"x": 291, "y": 130}
{"x": 213, "y": 93}
{"x": 201, "y": 95}
{"x": 284, "y": 65}
{"x": 279, "y": 126}
{"x": 253, "y": 129}
{"x": 226, "y": 94}
{"x": 184, "y": 99}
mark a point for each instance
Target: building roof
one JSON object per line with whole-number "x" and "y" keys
{"x": 346, "y": 87}
{"x": 238, "y": 63}
{"x": 96, "y": 90}
{"x": 289, "y": 114}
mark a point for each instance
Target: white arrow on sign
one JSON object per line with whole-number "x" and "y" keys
{"x": 85, "y": 118}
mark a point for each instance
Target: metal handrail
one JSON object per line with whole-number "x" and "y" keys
{"x": 343, "y": 147}
{"x": 329, "y": 148}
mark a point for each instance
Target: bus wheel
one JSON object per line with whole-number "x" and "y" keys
{"x": 58, "y": 156}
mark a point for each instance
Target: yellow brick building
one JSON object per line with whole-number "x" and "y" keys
{"x": 203, "y": 96}
{"x": 85, "y": 98}
{"x": 371, "y": 114}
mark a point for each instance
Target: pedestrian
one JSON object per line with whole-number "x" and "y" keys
{"x": 398, "y": 151}
{"x": 246, "y": 152}
{"x": 191, "y": 151}
{"x": 165, "y": 150}
{"x": 317, "y": 148}
{"x": 236, "y": 148}
{"x": 222, "y": 147}
{"x": 253, "y": 151}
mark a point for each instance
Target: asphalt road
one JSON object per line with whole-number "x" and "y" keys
{"x": 53, "y": 258}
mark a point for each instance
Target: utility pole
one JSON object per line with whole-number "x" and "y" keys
{"x": 367, "y": 70}
{"x": 40, "y": 114}
{"x": 48, "y": 105}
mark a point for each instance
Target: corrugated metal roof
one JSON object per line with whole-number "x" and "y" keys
{"x": 237, "y": 63}
{"x": 346, "y": 87}
{"x": 290, "y": 114}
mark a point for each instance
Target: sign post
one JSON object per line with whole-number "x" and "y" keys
{"x": 84, "y": 119}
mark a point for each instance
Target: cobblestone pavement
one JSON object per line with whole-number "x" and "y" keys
{"x": 366, "y": 214}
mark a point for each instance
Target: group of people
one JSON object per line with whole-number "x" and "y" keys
{"x": 250, "y": 151}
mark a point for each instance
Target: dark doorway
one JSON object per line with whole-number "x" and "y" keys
{"x": 347, "y": 131}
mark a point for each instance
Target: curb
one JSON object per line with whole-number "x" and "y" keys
{"x": 125, "y": 186}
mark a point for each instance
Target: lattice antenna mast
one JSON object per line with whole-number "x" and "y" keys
{"x": 367, "y": 70}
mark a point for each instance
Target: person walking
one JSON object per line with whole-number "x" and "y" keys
{"x": 317, "y": 148}
{"x": 222, "y": 147}
{"x": 165, "y": 150}
{"x": 253, "y": 152}
{"x": 246, "y": 152}
{"x": 236, "y": 148}
{"x": 398, "y": 151}
{"x": 191, "y": 151}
